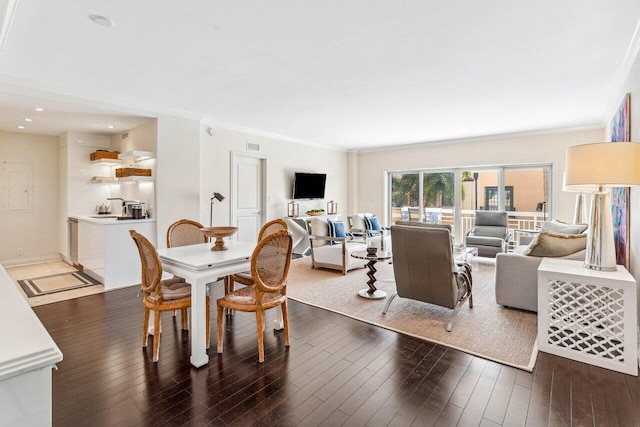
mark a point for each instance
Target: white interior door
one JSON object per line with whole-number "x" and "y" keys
{"x": 247, "y": 193}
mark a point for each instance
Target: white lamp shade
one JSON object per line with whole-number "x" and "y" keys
{"x": 609, "y": 164}
{"x": 576, "y": 188}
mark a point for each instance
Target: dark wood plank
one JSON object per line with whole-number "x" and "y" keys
{"x": 338, "y": 371}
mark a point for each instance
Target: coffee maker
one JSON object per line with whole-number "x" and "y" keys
{"x": 133, "y": 209}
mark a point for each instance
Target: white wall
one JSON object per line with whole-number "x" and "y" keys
{"x": 283, "y": 159}
{"x": 178, "y": 172}
{"x": 140, "y": 138}
{"x": 548, "y": 148}
{"x": 35, "y": 231}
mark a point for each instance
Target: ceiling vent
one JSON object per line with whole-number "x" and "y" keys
{"x": 251, "y": 146}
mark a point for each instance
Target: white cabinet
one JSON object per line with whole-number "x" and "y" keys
{"x": 107, "y": 252}
{"x": 27, "y": 357}
{"x": 588, "y": 315}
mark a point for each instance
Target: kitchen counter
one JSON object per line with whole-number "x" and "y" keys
{"x": 106, "y": 250}
{"x": 27, "y": 356}
{"x": 109, "y": 219}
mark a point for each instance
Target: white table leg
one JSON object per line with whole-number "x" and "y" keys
{"x": 278, "y": 323}
{"x": 199, "y": 356}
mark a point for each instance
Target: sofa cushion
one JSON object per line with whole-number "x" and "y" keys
{"x": 488, "y": 231}
{"x": 484, "y": 241}
{"x": 319, "y": 227}
{"x": 491, "y": 218}
{"x": 548, "y": 244}
{"x": 556, "y": 226}
{"x": 357, "y": 221}
{"x": 333, "y": 254}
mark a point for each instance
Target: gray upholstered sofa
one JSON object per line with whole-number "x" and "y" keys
{"x": 516, "y": 280}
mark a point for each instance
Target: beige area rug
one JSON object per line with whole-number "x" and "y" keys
{"x": 487, "y": 330}
{"x": 50, "y": 282}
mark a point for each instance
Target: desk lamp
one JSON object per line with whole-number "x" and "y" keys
{"x": 604, "y": 164}
{"x": 216, "y": 196}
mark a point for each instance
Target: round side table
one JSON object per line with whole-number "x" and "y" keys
{"x": 372, "y": 292}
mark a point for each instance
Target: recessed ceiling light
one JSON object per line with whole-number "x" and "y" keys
{"x": 20, "y": 127}
{"x": 27, "y": 119}
{"x": 110, "y": 126}
{"x": 39, "y": 109}
{"x": 101, "y": 20}
{"x": 80, "y": 141}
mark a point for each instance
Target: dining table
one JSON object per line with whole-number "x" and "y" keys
{"x": 199, "y": 265}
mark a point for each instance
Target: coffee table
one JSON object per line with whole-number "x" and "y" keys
{"x": 372, "y": 292}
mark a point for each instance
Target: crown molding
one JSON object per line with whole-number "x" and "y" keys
{"x": 119, "y": 105}
{"x": 208, "y": 121}
{"x": 5, "y": 24}
{"x": 616, "y": 93}
{"x": 482, "y": 138}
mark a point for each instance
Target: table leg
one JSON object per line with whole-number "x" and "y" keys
{"x": 199, "y": 356}
{"x": 372, "y": 292}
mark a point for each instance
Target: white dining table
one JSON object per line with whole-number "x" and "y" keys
{"x": 199, "y": 265}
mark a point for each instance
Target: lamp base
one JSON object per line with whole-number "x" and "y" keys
{"x": 580, "y": 212}
{"x": 601, "y": 252}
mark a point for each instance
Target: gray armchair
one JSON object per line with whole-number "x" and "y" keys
{"x": 425, "y": 270}
{"x": 490, "y": 233}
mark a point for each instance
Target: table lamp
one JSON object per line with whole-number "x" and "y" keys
{"x": 580, "y": 210}
{"x": 605, "y": 164}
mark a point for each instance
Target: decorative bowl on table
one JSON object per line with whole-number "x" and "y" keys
{"x": 219, "y": 232}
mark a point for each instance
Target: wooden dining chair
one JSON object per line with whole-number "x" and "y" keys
{"x": 245, "y": 277}
{"x": 160, "y": 295}
{"x": 270, "y": 263}
{"x": 183, "y": 233}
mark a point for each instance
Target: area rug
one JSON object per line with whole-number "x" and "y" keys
{"x": 50, "y": 282}
{"x": 487, "y": 330}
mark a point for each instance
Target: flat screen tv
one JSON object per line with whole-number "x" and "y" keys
{"x": 309, "y": 185}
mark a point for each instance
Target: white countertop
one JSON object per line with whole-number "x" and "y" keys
{"x": 25, "y": 345}
{"x": 108, "y": 219}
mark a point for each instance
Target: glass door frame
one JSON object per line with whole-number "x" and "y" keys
{"x": 457, "y": 171}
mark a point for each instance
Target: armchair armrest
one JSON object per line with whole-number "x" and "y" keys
{"x": 342, "y": 240}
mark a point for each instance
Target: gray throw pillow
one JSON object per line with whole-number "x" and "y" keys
{"x": 547, "y": 244}
{"x": 556, "y": 226}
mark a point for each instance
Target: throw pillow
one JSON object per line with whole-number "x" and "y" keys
{"x": 556, "y": 226}
{"x": 548, "y": 244}
{"x": 336, "y": 229}
{"x": 371, "y": 223}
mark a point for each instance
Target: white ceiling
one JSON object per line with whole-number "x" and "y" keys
{"x": 350, "y": 74}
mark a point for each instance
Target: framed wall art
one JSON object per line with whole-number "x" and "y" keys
{"x": 621, "y": 132}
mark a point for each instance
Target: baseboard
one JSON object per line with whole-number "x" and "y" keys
{"x": 34, "y": 260}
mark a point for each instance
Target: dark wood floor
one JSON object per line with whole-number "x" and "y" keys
{"x": 338, "y": 371}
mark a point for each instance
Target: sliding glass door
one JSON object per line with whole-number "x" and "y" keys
{"x": 452, "y": 196}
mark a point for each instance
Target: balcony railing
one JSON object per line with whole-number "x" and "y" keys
{"x": 519, "y": 221}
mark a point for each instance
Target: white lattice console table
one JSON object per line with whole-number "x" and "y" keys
{"x": 587, "y": 315}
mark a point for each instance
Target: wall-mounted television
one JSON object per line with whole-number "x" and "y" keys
{"x": 309, "y": 185}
